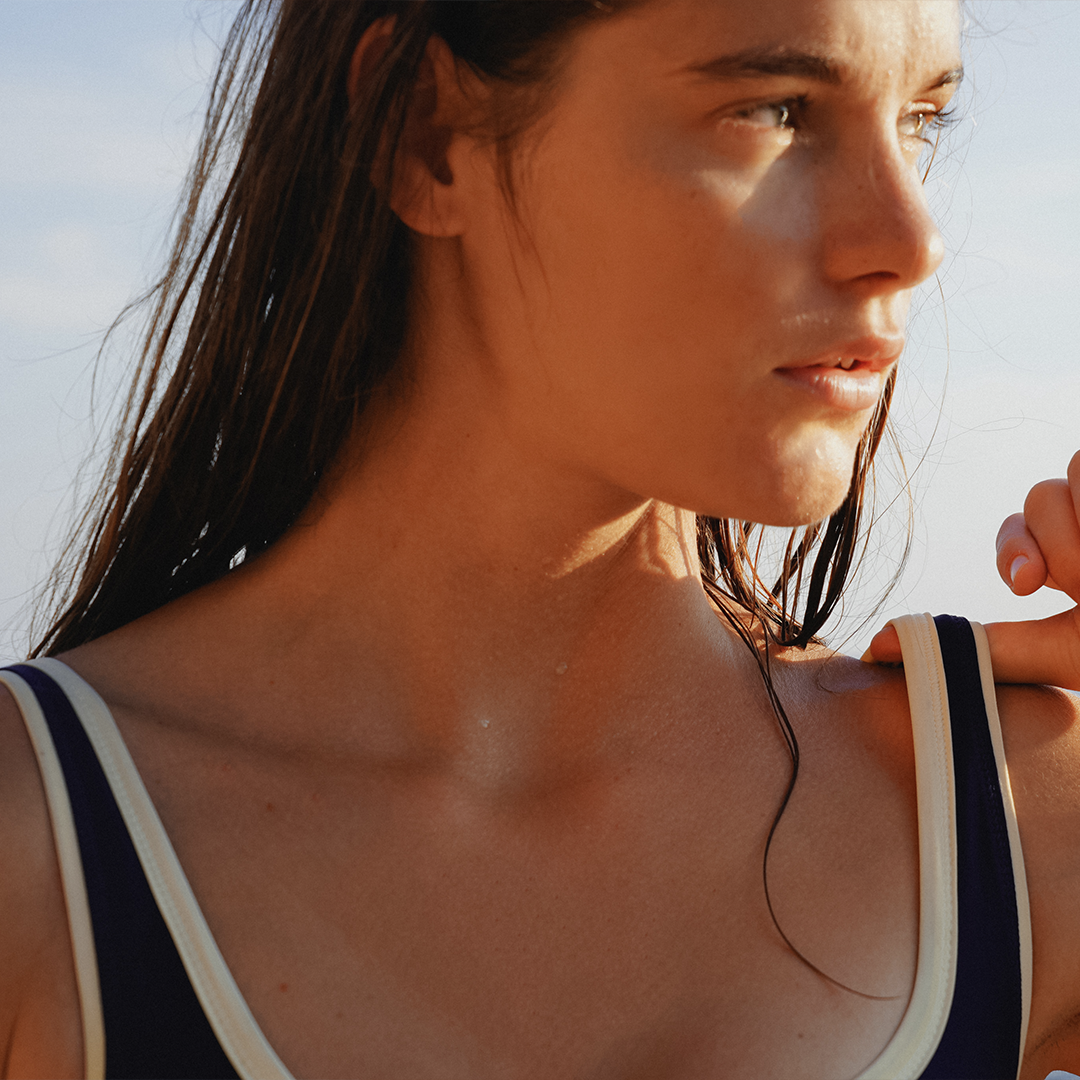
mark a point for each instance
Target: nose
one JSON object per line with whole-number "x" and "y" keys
{"x": 878, "y": 234}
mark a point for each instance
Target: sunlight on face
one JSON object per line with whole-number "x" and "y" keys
{"x": 725, "y": 221}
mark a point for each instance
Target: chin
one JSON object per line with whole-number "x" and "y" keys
{"x": 805, "y": 491}
{"x": 805, "y": 512}
{"x": 785, "y": 483}
{"x": 784, "y": 506}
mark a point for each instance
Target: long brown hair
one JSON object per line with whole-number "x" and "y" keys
{"x": 284, "y": 305}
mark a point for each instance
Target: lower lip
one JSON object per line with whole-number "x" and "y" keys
{"x": 852, "y": 391}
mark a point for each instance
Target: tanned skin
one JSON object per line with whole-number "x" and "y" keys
{"x": 505, "y": 817}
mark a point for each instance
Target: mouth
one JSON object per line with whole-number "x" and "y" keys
{"x": 849, "y": 377}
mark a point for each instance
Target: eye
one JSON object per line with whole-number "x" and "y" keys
{"x": 914, "y": 125}
{"x": 770, "y": 114}
{"x": 922, "y": 123}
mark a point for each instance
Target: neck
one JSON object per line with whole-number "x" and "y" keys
{"x": 462, "y": 591}
{"x": 481, "y": 594}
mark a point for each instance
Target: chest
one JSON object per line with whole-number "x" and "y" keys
{"x": 379, "y": 926}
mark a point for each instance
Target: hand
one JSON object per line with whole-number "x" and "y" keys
{"x": 1036, "y": 549}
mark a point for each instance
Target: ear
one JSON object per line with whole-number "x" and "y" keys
{"x": 426, "y": 190}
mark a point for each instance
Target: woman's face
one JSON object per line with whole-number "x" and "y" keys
{"x": 721, "y": 211}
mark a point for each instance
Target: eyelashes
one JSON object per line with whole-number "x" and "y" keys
{"x": 919, "y": 132}
{"x": 787, "y": 114}
{"x": 782, "y": 114}
{"x": 946, "y": 117}
{"x": 931, "y": 124}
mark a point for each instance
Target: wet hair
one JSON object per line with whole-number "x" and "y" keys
{"x": 285, "y": 300}
{"x": 284, "y": 307}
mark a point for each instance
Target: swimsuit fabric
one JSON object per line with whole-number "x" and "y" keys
{"x": 159, "y": 1002}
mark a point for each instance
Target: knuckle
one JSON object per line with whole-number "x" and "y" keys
{"x": 1046, "y": 496}
{"x": 1073, "y": 472}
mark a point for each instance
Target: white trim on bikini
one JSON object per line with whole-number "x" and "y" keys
{"x": 908, "y": 1052}
{"x": 240, "y": 1036}
{"x": 66, "y": 840}
{"x": 913, "y": 1045}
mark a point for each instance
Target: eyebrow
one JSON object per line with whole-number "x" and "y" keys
{"x": 949, "y": 78}
{"x": 763, "y": 62}
{"x": 760, "y": 63}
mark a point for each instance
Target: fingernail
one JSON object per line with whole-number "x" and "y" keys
{"x": 1015, "y": 567}
{"x": 867, "y": 657}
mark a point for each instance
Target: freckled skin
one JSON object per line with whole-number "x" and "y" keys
{"x": 467, "y": 775}
{"x": 716, "y": 253}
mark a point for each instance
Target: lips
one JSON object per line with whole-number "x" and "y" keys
{"x": 873, "y": 351}
{"x": 849, "y": 376}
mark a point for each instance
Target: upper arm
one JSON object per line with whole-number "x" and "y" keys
{"x": 1041, "y": 730}
{"x": 40, "y": 1028}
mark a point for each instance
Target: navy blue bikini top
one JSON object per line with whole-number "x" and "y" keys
{"x": 983, "y": 1032}
{"x": 155, "y": 1025}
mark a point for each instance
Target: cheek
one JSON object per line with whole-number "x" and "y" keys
{"x": 657, "y": 305}
{"x": 656, "y": 255}
{"x": 661, "y": 294}
{"x": 781, "y": 208}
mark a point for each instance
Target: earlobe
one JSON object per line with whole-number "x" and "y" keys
{"x": 424, "y": 192}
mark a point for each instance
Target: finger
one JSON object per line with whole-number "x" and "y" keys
{"x": 1050, "y": 514}
{"x": 1073, "y": 474}
{"x": 1019, "y": 560}
{"x": 884, "y": 647}
{"x": 1041, "y": 651}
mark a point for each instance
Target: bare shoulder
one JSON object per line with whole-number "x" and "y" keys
{"x": 39, "y": 1014}
{"x": 871, "y": 697}
{"x": 1041, "y": 731}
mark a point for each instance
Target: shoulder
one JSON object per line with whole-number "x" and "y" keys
{"x": 1041, "y": 732}
{"x": 852, "y": 718}
{"x": 39, "y": 1016}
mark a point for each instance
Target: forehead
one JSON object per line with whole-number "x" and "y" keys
{"x": 904, "y": 40}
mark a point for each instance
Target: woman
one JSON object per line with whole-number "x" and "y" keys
{"x": 508, "y": 313}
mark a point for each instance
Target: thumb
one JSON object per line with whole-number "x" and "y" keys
{"x": 1038, "y": 651}
{"x": 1045, "y": 651}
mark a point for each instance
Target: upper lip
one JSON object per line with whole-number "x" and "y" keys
{"x": 872, "y": 351}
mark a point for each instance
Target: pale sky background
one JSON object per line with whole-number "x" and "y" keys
{"x": 99, "y": 108}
